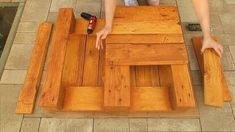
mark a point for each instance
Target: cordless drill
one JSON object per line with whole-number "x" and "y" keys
{"x": 92, "y": 21}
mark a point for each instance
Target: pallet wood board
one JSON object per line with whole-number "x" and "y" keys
{"x": 117, "y": 87}
{"x": 135, "y": 27}
{"x": 28, "y": 92}
{"x": 78, "y": 99}
{"x": 216, "y": 89}
{"x": 133, "y": 54}
{"x": 74, "y": 61}
{"x": 147, "y": 99}
{"x": 143, "y": 39}
{"x": 147, "y": 13}
{"x": 52, "y": 92}
{"x": 182, "y": 87}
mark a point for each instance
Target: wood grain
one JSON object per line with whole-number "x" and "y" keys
{"x": 28, "y": 92}
{"x": 91, "y": 65}
{"x": 74, "y": 61}
{"x": 117, "y": 87}
{"x": 131, "y": 54}
{"x": 53, "y": 93}
{"x": 197, "y": 45}
{"x": 150, "y": 99}
{"x": 145, "y": 39}
{"x": 146, "y": 13}
{"x": 83, "y": 99}
{"x": 182, "y": 87}
{"x": 167, "y": 27}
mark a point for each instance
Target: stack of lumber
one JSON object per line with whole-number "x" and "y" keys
{"x": 216, "y": 89}
{"x": 143, "y": 67}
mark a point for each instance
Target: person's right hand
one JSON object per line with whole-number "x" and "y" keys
{"x": 101, "y": 35}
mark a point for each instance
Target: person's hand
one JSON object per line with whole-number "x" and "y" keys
{"x": 211, "y": 43}
{"x": 101, "y": 35}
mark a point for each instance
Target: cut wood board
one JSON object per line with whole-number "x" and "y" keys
{"x": 74, "y": 61}
{"x": 147, "y": 13}
{"x": 117, "y": 87}
{"x": 133, "y": 54}
{"x": 147, "y": 99}
{"x": 132, "y": 27}
{"x": 91, "y": 65}
{"x": 182, "y": 87}
{"x": 52, "y": 93}
{"x": 145, "y": 39}
{"x": 79, "y": 99}
{"x": 28, "y": 92}
{"x": 216, "y": 89}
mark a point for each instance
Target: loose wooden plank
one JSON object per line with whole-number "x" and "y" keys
{"x": 213, "y": 88}
{"x": 74, "y": 61}
{"x": 27, "y": 96}
{"x": 147, "y": 13}
{"x": 117, "y": 87}
{"x": 182, "y": 87}
{"x": 145, "y": 39}
{"x": 197, "y": 45}
{"x": 53, "y": 93}
{"x": 131, "y": 54}
{"x": 91, "y": 66}
{"x": 150, "y": 99}
{"x": 83, "y": 99}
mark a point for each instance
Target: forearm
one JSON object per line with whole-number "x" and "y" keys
{"x": 110, "y": 6}
{"x": 202, "y": 12}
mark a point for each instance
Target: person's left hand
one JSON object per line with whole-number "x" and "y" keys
{"x": 209, "y": 42}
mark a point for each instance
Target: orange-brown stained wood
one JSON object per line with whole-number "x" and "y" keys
{"x": 83, "y": 99}
{"x": 149, "y": 99}
{"x": 132, "y": 27}
{"x": 145, "y": 39}
{"x": 147, "y": 13}
{"x": 74, "y": 61}
{"x": 117, "y": 87}
{"x": 131, "y": 54}
{"x": 197, "y": 45}
{"x": 156, "y": 20}
{"x": 28, "y": 92}
{"x": 53, "y": 93}
{"x": 91, "y": 65}
{"x": 182, "y": 87}
{"x": 147, "y": 76}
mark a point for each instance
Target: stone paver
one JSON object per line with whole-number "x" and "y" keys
{"x": 187, "y": 13}
{"x": 36, "y": 10}
{"x": 227, "y": 60}
{"x": 173, "y": 125}
{"x": 56, "y": 4}
{"x": 138, "y": 125}
{"x": 9, "y": 121}
{"x": 230, "y": 77}
{"x": 65, "y": 125}
{"x": 212, "y": 118}
{"x": 90, "y": 6}
{"x": 19, "y": 57}
{"x": 111, "y": 125}
{"x": 30, "y": 125}
{"x": 13, "y": 77}
{"x": 25, "y": 38}
{"x": 28, "y": 26}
